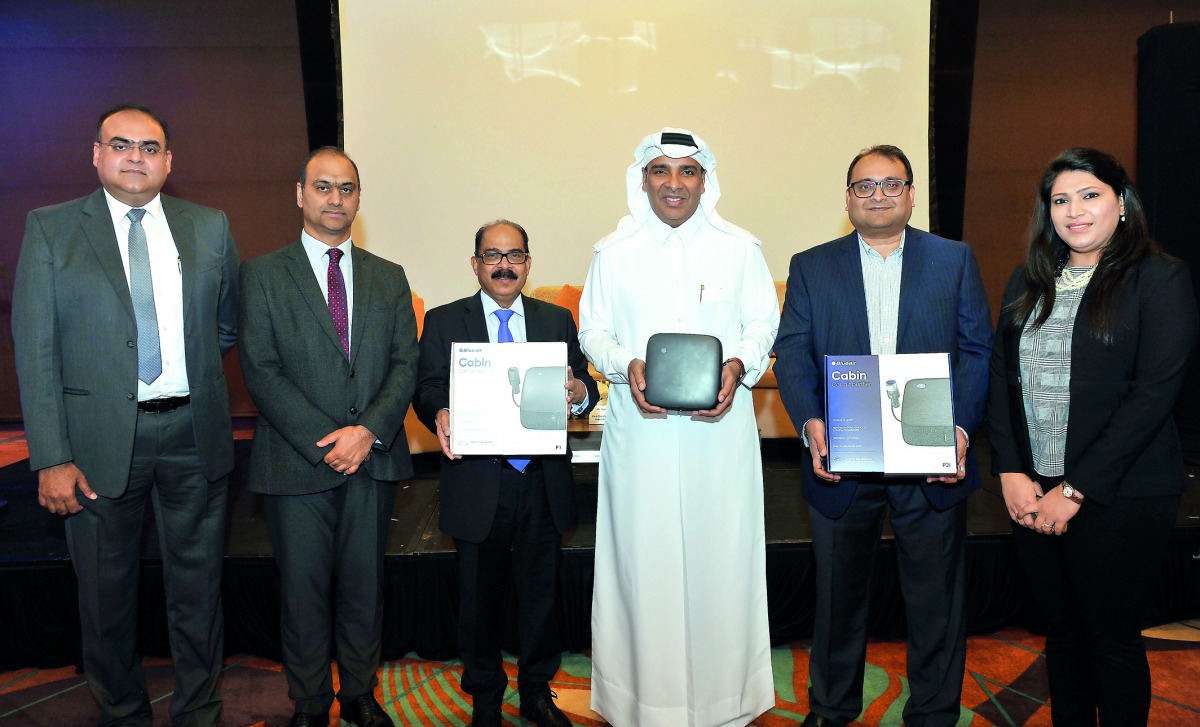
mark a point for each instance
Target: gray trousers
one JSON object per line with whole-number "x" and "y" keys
{"x": 337, "y": 536}
{"x": 105, "y": 543}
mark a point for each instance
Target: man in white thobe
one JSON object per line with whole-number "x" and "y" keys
{"x": 679, "y": 610}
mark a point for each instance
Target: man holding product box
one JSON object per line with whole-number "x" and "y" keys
{"x": 503, "y": 513}
{"x": 885, "y": 289}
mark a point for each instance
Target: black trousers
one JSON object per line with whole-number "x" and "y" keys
{"x": 1090, "y": 585}
{"x": 105, "y": 543}
{"x": 929, "y": 552}
{"x": 524, "y": 547}
{"x": 337, "y": 534}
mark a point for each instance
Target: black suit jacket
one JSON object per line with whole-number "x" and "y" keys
{"x": 1121, "y": 438}
{"x": 469, "y": 488}
{"x": 76, "y": 337}
{"x": 302, "y": 382}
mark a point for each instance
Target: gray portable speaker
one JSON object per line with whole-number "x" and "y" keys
{"x": 928, "y": 415}
{"x": 544, "y": 398}
{"x": 683, "y": 371}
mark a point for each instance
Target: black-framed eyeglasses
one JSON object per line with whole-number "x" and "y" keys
{"x": 149, "y": 148}
{"x": 891, "y": 187}
{"x": 492, "y": 257}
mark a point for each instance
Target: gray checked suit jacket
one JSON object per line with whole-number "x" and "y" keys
{"x": 76, "y": 337}
{"x": 302, "y": 382}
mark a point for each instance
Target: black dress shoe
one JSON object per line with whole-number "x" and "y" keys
{"x": 542, "y": 711}
{"x": 815, "y": 720}
{"x": 364, "y": 711}
{"x": 303, "y": 719}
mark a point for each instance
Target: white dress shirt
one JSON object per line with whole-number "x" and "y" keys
{"x": 166, "y": 270}
{"x": 881, "y": 282}
{"x": 318, "y": 257}
{"x": 516, "y": 325}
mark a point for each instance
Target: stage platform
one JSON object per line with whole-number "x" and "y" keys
{"x": 39, "y": 623}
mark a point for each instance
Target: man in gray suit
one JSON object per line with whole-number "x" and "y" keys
{"x": 329, "y": 351}
{"x": 124, "y": 303}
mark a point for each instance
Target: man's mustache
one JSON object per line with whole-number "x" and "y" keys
{"x": 504, "y": 274}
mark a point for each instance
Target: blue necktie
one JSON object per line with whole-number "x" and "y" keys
{"x": 504, "y": 335}
{"x": 141, "y": 290}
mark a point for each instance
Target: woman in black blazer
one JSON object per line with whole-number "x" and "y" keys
{"x": 1095, "y": 336}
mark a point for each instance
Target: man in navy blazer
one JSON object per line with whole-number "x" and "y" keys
{"x": 885, "y": 288}
{"x": 125, "y": 302}
{"x": 505, "y": 516}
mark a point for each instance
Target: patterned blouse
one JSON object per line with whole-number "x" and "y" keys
{"x": 1045, "y": 356}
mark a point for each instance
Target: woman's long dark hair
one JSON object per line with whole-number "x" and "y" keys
{"x": 1048, "y": 253}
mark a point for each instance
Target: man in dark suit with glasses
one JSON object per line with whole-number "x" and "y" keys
{"x": 506, "y": 515}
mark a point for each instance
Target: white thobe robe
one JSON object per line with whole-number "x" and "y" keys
{"x": 679, "y": 607}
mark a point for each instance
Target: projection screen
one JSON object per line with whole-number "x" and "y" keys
{"x": 464, "y": 111}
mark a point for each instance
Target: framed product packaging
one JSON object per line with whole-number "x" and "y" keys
{"x": 508, "y": 398}
{"x": 890, "y": 414}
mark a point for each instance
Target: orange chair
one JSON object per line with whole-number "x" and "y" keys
{"x": 420, "y": 439}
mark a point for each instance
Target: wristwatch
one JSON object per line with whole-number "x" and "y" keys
{"x": 1072, "y": 494}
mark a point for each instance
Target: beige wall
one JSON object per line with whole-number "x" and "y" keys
{"x": 458, "y": 113}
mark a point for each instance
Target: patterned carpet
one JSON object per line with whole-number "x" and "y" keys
{"x": 1005, "y": 685}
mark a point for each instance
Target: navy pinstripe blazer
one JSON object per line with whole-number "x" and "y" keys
{"x": 943, "y": 309}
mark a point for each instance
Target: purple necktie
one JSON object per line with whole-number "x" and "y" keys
{"x": 337, "y": 299}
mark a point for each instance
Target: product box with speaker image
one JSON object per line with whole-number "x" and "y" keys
{"x": 508, "y": 398}
{"x": 890, "y": 414}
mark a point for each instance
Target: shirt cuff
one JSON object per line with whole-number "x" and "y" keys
{"x": 965, "y": 435}
{"x": 804, "y": 432}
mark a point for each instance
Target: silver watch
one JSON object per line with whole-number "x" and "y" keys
{"x": 1072, "y": 494}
